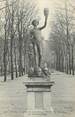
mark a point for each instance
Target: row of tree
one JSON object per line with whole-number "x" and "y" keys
{"x": 62, "y": 39}
{"x": 14, "y": 41}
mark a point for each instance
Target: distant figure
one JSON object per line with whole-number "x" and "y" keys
{"x": 36, "y": 39}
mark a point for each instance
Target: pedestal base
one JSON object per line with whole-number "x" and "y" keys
{"x": 39, "y": 98}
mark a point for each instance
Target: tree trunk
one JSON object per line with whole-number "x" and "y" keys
{"x": 11, "y": 52}
{"x": 11, "y": 48}
{"x": 15, "y": 62}
{"x": 20, "y": 55}
{"x": 5, "y": 57}
{"x": 69, "y": 62}
{"x": 72, "y": 60}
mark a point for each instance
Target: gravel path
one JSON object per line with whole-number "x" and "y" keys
{"x": 63, "y": 94}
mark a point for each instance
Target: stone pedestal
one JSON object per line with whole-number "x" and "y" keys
{"x": 38, "y": 98}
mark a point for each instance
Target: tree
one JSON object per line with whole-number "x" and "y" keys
{"x": 5, "y": 42}
{"x": 62, "y": 29}
{"x": 18, "y": 18}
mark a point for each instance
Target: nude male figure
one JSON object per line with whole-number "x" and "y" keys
{"x": 36, "y": 36}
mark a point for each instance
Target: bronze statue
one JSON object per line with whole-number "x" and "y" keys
{"x": 36, "y": 39}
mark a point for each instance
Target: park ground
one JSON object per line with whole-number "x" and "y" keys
{"x": 13, "y": 96}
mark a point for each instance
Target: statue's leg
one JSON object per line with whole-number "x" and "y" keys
{"x": 34, "y": 54}
{"x": 39, "y": 54}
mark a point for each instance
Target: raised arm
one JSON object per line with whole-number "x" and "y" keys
{"x": 44, "y": 24}
{"x": 46, "y": 12}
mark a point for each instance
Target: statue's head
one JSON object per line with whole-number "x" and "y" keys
{"x": 35, "y": 22}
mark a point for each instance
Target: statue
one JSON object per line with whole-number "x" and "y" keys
{"x": 36, "y": 39}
